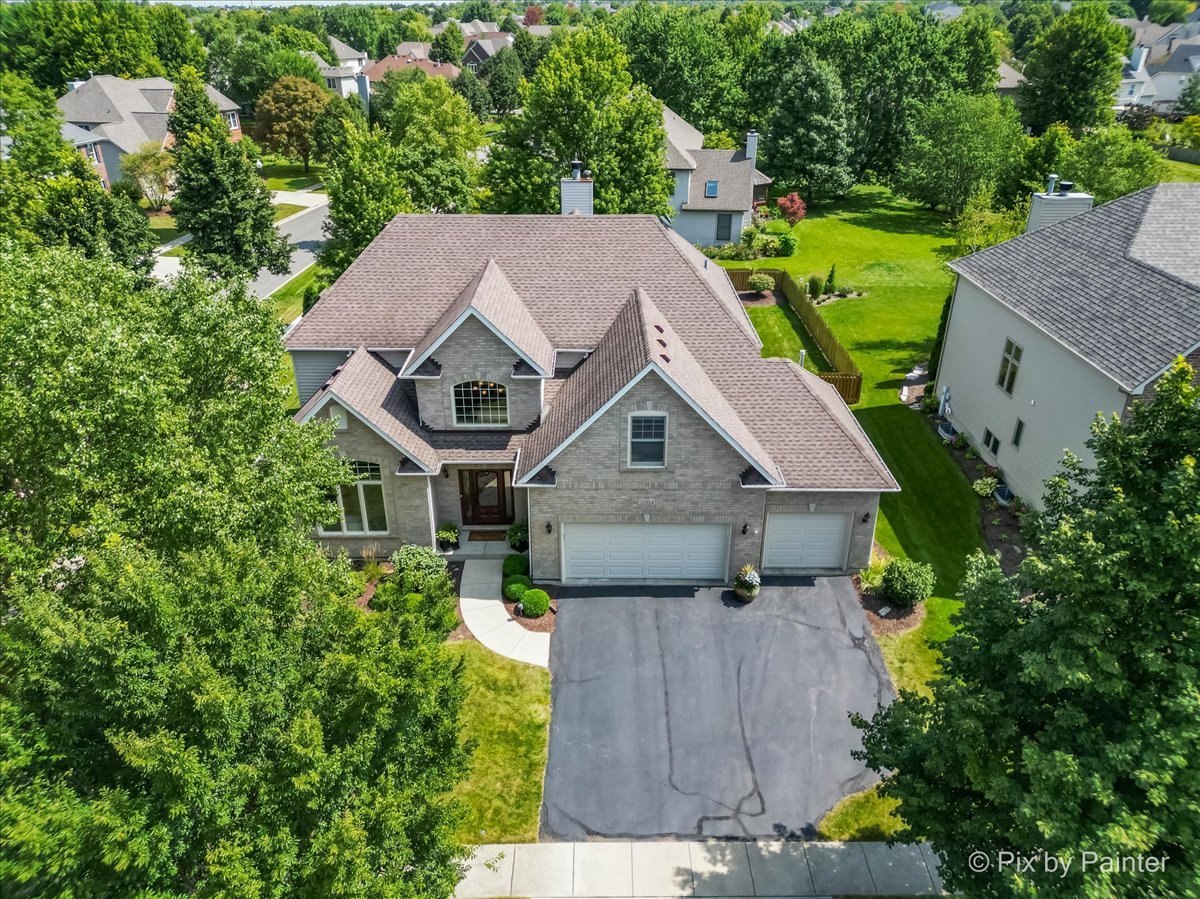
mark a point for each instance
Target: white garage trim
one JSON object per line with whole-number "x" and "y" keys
{"x": 806, "y": 541}
{"x": 639, "y": 552}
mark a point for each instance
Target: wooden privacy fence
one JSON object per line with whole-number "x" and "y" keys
{"x": 845, "y": 377}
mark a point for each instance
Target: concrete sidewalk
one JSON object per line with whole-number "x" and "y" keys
{"x": 488, "y": 620}
{"x": 701, "y": 869}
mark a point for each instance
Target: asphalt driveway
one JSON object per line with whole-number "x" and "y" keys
{"x": 682, "y": 713}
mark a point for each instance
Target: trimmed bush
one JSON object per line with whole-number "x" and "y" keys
{"x": 515, "y": 564}
{"x": 419, "y": 569}
{"x": 535, "y": 603}
{"x": 760, "y": 283}
{"x": 906, "y": 583}
{"x": 985, "y": 486}
{"x": 787, "y": 244}
{"x": 814, "y": 286}
{"x": 515, "y": 586}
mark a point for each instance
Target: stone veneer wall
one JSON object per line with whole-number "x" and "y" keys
{"x": 406, "y": 498}
{"x": 473, "y": 353}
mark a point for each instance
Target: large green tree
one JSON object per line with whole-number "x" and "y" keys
{"x": 193, "y": 704}
{"x": 175, "y": 43}
{"x": 471, "y": 89}
{"x": 1073, "y": 70}
{"x": 437, "y": 136}
{"x": 56, "y": 41}
{"x": 286, "y": 114}
{"x": 31, "y": 121}
{"x": 581, "y": 104}
{"x": 973, "y": 49}
{"x": 807, "y": 143}
{"x": 192, "y": 111}
{"x": 962, "y": 142}
{"x": 503, "y": 75}
{"x": 1067, "y": 716}
{"x": 332, "y": 124}
{"x": 449, "y": 46}
{"x": 366, "y": 191}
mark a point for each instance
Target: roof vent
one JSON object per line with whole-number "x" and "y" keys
{"x": 662, "y": 343}
{"x": 664, "y": 357}
{"x": 659, "y": 329}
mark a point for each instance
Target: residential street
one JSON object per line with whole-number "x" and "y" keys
{"x": 305, "y": 235}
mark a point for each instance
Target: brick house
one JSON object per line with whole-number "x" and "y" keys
{"x": 1080, "y": 315}
{"x": 125, "y": 114}
{"x": 594, "y": 375}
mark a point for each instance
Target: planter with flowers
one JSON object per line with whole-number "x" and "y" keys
{"x": 746, "y": 583}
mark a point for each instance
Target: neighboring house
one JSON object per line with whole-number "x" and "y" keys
{"x": 1080, "y": 315}
{"x": 787, "y": 26}
{"x": 91, "y": 147}
{"x": 482, "y": 47}
{"x": 1009, "y": 82}
{"x": 1172, "y": 72}
{"x": 540, "y": 30}
{"x": 414, "y": 49}
{"x": 595, "y": 375}
{"x": 469, "y": 29}
{"x": 1137, "y": 84}
{"x": 342, "y": 80}
{"x": 126, "y": 114}
{"x": 943, "y": 12}
{"x": 347, "y": 57}
{"x": 714, "y": 191}
{"x": 398, "y": 63}
{"x": 1146, "y": 33}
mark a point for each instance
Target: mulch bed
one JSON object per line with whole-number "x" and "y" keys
{"x": 770, "y": 298}
{"x": 898, "y": 621}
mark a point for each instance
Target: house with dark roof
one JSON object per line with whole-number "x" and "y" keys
{"x": 483, "y": 46}
{"x": 713, "y": 192}
{"x": 125, "y": 114}
{"x": 593, "y": 375}
{"x": 347, "y": 57}
{"x": 1078, "y": 316}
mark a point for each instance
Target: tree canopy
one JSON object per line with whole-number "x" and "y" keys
{"x": 286, "y": 116}
{"x": 193, "y": 703}
{"x": 449, "y": 45}
{"x": 1067, "y": 714}
{"x": 503, "y": 74}
{"x": 581, "y": 104}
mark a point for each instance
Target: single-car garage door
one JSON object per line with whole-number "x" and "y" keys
{"x": 805, "y": 540}
{"x": 631, "y": 553}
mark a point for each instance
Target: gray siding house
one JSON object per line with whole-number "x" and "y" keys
{"x": 1079, "y": 316}
{"x": 595, "y": 375}
{"x": 714, "y": 191}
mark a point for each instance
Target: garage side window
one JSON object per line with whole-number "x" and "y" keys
{"x": 648, "y": 440}
{"x": 360, "y": 504}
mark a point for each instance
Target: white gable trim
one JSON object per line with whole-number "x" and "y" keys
{"x": 1141, "y": 388}
{"x": 633, "y": 382}
{"x": 468, "y": 312}
{"x": 331, "y": 395}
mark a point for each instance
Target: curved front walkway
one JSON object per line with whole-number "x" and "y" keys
{"x": 488, "y": 621}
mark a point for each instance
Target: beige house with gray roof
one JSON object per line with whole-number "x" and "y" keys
{"x": 1079, "y": 316}
{"x": 595, "y": 375}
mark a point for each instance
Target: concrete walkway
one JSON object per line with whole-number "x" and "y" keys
{"x": 709, "y": 869}
{"x": 486, "y": 618}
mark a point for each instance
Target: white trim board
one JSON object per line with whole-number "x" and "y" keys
{"x": 454, "y": 326}
{"x": 331, "y": 395}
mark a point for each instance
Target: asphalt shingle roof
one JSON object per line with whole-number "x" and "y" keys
{"x": 1119, "y": 285}
{"x": 734, "y": 173}
{"x": 575, "y": 275}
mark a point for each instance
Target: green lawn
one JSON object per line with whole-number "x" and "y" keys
{"x": 289, "y": 299}
{"x": 895, "y": 252}
{"x": 507, "y": 714}
{"x": 784, "y": 335}
{"x": 1181, "y": 171}
{"x": 163, "y": 226}
{"x": 283, "y": 210}
{"x": 179, "y": 251}
{"x": 281, "y": 174}
{"x": 861, "y": 816}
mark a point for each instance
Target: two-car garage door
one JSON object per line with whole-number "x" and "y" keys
{"x": 805, "y": 540}
{"x": 644, "y": 552}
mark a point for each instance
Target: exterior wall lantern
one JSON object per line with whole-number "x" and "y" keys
{"x": 549, "y": 528}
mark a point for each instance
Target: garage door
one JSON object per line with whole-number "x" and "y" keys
{"x": 638, "y": 552}
{"x": 806, "y": 540}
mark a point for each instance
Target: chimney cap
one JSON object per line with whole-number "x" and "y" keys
{"x": 1065, "y": 187}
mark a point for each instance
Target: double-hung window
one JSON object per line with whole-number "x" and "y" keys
{"x": 361, "y": 503}
{"x": 1009, "y": 363}
{"x": 648, "y": 440}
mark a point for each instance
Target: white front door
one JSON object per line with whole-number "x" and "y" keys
{"x": 806, "y": 540}
{"x": 631, "y": 553}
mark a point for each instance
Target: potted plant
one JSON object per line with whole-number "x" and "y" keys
{"x": 447, "y": 537}
{"x": 518, "y": 535}
{"x": 746, "y": 583}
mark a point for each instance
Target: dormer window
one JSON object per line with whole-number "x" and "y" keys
{"x": 480, "y": 404}
{"x": 710, "y": 188}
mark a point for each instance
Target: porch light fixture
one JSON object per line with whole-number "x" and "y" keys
{"x": 446, "y": 473}
{"x": 866, "y": 517}
{"x": 549, "y": 528}
{"x": 746, "y": 528}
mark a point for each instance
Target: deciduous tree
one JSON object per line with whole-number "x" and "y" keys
{"x": 154, "y": 171}
{"x": 449, "y": 45}
{"x": 192, "y": 111}
{"x": 332, "y": 124}
{"x": 1189, "y": 97}
{"x": 175, "y": 43}
{"x": 581, "y": 104}
{"x": 193, "y": 704}
{"x": 807, "y": 144}
{"x": 533, "y": 16}
{"x": 31, "y": 121}
{"x": 286, "y": 115}
{"x": 1073, "y": 70}
{"x": 503, "y": 75}
{"x": 471, "y": 89}
{"x": 962, "y": 142}
{"x": 437, "y": 136}
{"x": 1057, "y": 726}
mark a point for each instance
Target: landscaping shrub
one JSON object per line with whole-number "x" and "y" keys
{"x": 535, "y": 603}
{"x": 760, "y": 283}
{"x": 734, "y": 251}
{"x": 792, "y": 208}
{"x": 787, "y": 244}
{"x": 929, "y": 403}
{"x": 767, "y": 245}
{"x": 419, "y": 569}
{"x": 392, "y": 601}
{"x": 872, "y": 576}
{"x": 906, "y": 583}
{"x": 985, "y": 486}
{"x": 516, "y": 585}
{"x": 515, "y": 564}
{"x": 814, "y": 286}
{"x": 517, "y": 534}
{"x": 127, "y": 187}
{"x": 830, "y": 280}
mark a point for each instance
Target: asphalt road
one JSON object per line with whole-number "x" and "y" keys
{"x": 683, "y": 713}
{"x": 305, "y": 235}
